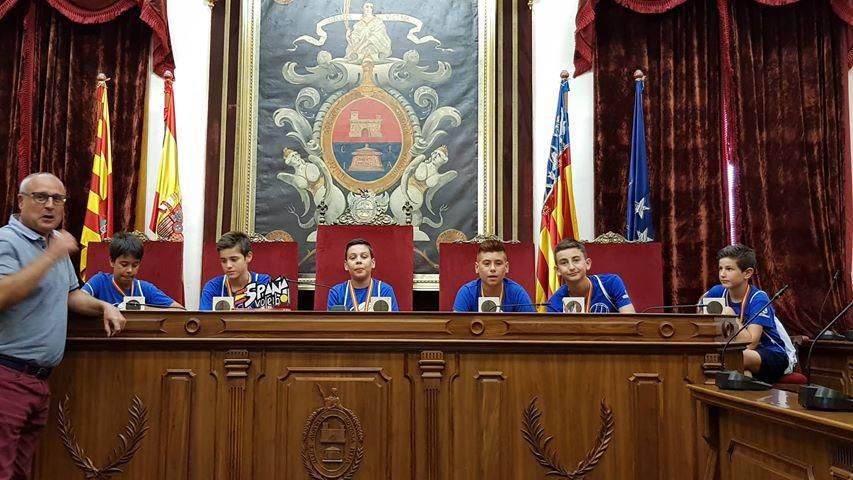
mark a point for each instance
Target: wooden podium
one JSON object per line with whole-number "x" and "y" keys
{"x": 423, "y": 396}
{"x": 767, "y": 435}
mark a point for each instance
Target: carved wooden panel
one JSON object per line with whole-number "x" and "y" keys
{"x": 432, "y": 366}
{"x": 646, "y": 406}
{"x": 493, "y": 420}
{"x": 749, "y": 461}
{"x": 176, "y": 399}
{"x": 237, "y": 363}
{"x": 302, "y": 392}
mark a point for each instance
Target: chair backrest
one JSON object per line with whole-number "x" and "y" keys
{"x": 272, "y": 258}
{"x": 394, "y": 250}
{"x": 456, "y": 268}
{"x": 162, "y": 265}
{"x": 639, "y": 265}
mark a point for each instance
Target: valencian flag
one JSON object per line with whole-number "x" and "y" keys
{"x": 98, "y": 223}
{"x": 559, "y": 220}
{"x": 167, "y": 218}
{"x": 640, "y": 225}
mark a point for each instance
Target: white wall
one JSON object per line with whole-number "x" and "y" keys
{"x": 553, "y": 52}
{"x": 189, "y": 26}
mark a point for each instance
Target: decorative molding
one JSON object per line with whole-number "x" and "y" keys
{"x": 478, "y": 239}
{"x": 237, "y": 363}
{"x": 176, "y": 403}
{"x": 129, "y": 441}
{"x": 136, "y": 233}
{"x": 332, "y": 441}
{"x": 534, "y": 434}
{"x": 710, "y": 367}
{"x": 646, "y": 400}
{"x": 610, "y": 237}
{"x": 432, "y": 365}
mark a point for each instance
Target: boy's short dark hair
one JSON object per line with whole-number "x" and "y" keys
{"x": 358, "y": 241}
{"x": 234, "y": 239}
{"x": 490, "y": 246}
{"x": 124, "y": 243}
{"x": 740, "y": 253}
{"x": 570, "y": 243}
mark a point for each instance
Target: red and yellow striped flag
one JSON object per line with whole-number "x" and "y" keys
{"x": 559, "y": 220}
{"x": 167, "y": 217}
{"x": 98, "y": 223}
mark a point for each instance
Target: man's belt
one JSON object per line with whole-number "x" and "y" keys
{"x": 25, "y": 367}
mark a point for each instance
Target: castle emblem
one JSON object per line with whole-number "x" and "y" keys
{"x": 333, "y": 440}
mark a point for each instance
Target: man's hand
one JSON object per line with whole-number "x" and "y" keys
{"x": 114, "y": 321}
{"x": 61, "y": 244}
{"x": 727, "y": 310}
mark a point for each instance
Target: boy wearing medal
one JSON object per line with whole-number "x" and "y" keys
{"x": 125, "y": 257}
{"x": 604, "y": 293}
{"x": 765, "y": 357}
{"x": 492, "y": 266}
{"x": 355, "y": 293}
{"x": 235, "y": 255}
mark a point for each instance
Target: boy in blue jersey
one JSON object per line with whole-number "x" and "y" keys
{"x": 126, "y": 253}
{"x": 604, "y": 293}
{"x": 235, "y": 255}
{"x": 492, "y": 266}
{"x": 765, "y": 356}
{"x": 354, "y": 295}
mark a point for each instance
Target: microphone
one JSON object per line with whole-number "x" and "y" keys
{"x": 731, "y": 380}
{"x": 829, "y": 334}
{"x": 664, "y": 307}
{"x": 817, "y": 397}
{"x": 494, "y": 308}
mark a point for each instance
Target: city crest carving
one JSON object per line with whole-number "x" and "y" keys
{"x": 333, "y": 440}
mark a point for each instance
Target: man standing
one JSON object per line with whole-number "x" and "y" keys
{"x": 38, "y": 286}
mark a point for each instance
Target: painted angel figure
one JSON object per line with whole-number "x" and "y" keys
{"x": 368, "y": 38}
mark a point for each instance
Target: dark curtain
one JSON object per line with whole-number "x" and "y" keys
{"x": 11, "y": 39}
{"x": 789, "y": 69}
{"x": 56, "y": 48}
{"x": 68, "y": 58}
{"x": 679, "y": 52}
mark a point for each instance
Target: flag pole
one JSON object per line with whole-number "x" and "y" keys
{"x": 98, "y": 220}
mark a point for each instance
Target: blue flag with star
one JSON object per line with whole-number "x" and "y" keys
{"x": 640, "y": 225}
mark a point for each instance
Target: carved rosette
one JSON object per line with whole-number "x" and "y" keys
{"x": 333, "y": 440}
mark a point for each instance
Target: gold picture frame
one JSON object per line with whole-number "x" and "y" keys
{"x": 245, "y": 147}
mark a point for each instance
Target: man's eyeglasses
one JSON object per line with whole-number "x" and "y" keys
{"x": 42, "y": 197}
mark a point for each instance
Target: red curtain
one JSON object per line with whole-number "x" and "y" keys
{"x": 781, "y": 105}
{"x": 56, "y": 50}
{"x": 790, "y": 120}
{"x": 679, "y": 51}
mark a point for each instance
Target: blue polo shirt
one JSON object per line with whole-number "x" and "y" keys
{"x": 515, "y": 298}
{"x": 608, "y": 295}
{"x": 101, "y": 287}
{"x": 340, "y": 295}
{"x": 758, "y": 298}
{"x": 216, "y": 287}
{"x": 35, "y": 328}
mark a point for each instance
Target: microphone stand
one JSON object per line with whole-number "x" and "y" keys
{"x": 816, "y": 397}
{"x": 734, "y": 380}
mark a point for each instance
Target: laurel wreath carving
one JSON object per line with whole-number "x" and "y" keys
{"x": 129, "y": 441}
{"x": 535, "y": 436}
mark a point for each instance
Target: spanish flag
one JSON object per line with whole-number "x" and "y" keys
{"x": 98, "y": 223}
{"x": 167, "y": 217}
{"x": 559, "y": 220}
